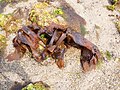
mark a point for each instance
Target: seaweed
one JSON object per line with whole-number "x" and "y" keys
{"x": 43, "y": 14}
{"x": 36, "y": 86}
{"x": 2, "y": 42}
{"x": 108, "y": 55}
{"x": 56, "y": 45}
{"x": 49, "y": 37}
{"x": 30, "y": 86}
{"x": 117, "y": 24}
{"x": 114, "y": 5}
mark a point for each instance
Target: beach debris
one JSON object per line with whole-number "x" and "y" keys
{"x": 50, "y": 35}
{"x": 54, "y": 42}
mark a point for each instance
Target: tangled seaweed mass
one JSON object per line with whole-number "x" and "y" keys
{"x": 53, "y": 39}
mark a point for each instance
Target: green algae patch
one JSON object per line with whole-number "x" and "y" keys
{"x": 114, "y": 5}
{"x": 111, "y": 7}
{"x": 117, "y": 24}
{"x": 2, "y": 41}
{"x": 12, "y": 22}
{"x": 36, "y": 86}
{"x": 43, "y": 14}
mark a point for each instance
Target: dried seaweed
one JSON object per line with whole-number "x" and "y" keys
{"x": 59, "y": 38}
{"x": 54, "y": 38}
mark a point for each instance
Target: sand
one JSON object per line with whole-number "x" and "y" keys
{"x": 106, "y": 37}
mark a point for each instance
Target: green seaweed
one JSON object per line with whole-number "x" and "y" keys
{"x": 117, "y": 24}
{"x": 43, "y": 16}
{"x": 42, "y": 36}
{"x": 111, "y": 7}
{"x": 11, "y": 23}
{"x": 58, "y": 11}
{"x": 108, "y": 55}
{"x": 2, "y": 41}
{"x": 36, "y": 86}
{"x": 8, "y": 23}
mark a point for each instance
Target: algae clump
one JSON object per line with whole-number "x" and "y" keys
{"x": 36, "y": 86}
{"x": 43, "y": 14}
{"x": 2, "y": 41}
{"x": 117, "y": 24}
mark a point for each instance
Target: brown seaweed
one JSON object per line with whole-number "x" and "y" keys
{"x": 59, "y": 38}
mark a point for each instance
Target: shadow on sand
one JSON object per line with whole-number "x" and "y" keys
{"x": 13, "y": 67}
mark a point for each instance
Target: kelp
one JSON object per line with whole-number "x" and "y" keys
{"x": 54, "y": 38}
{"x": 58, "y": 38}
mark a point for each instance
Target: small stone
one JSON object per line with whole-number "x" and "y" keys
{"x": 117, "y": 41}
